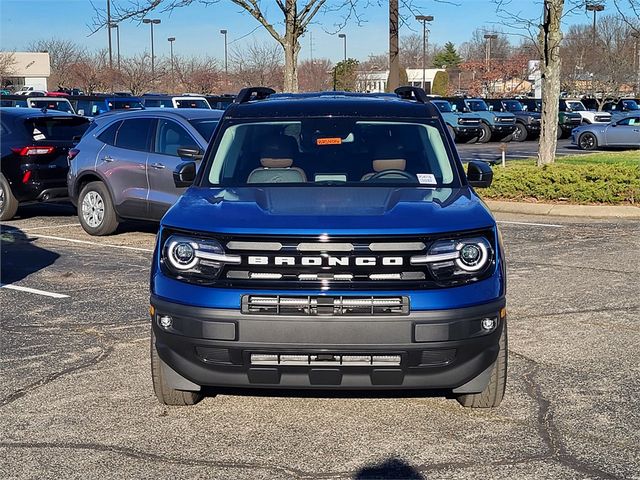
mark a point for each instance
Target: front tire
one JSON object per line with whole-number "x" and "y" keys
{"x": 587, "y": 141}
{"x": 520, "y": 133}
{"x": 95, "y": 210}
{"x": 165, "y": 394}
{"x": 485, "y": 135}
{"x": 493, "y": 394}
{"x": 8, "y": 203}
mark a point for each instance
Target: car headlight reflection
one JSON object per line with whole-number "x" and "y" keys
{"x": 198, "y": 259}
{"x": 457, "y": 259}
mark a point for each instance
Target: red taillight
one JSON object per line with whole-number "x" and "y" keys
{"x": 24, "y": 151}
{"x": 72, "y": 154}
{"x": 26, "y": 176}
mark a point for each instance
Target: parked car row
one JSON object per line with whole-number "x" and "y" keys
{"x": 118, "y": 166}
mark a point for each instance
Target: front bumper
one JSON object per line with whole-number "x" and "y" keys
{"x": 438, "y": 349}
{"x": 506, "y": 129}
{"x": 467, "y": 131}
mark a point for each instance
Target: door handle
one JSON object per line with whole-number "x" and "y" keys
{"x": 107, "y": 158}
{"x": 158, "y": 166}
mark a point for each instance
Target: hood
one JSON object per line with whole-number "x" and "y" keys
{"x": 335, "y": 210}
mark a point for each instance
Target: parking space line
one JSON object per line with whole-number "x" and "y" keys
{"x": 50, "y": 226}
{"x": 552, "y": 225}
{"x": 34, "y": 290}
{"x": 86, "y": 242}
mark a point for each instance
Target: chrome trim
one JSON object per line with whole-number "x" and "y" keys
{"x": 396, "y": 246}
{"x": 325, "y": 247}
{"x": 269, "y": 246}
{"x": 218, "y": 257}
{"x": 439, "y": 257}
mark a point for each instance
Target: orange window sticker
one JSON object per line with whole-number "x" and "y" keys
{"x": 329, "y": 141}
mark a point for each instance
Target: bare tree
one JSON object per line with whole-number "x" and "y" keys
{"x": 92, "y": 72}
{"x": 7, "y": 64}
{"x": 198, "y": 75}
{"x": 62, "y": 54}
{"x": 257, "y": 64}
{"x": 476, "y": 48}
{"x": 136, "y": 75}
{"x": 315, "y": 75}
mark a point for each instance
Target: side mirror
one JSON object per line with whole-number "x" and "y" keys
{"x": 184, "y": 175}
{"x": 193, "y": 153}
{"x": 479, "y": 174}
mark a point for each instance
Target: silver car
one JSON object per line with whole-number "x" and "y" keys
{"x": 122, "y": 168}
{"x": 623, "y": 132}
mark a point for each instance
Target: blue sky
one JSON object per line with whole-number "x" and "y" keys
{"x": 197, "y": 27}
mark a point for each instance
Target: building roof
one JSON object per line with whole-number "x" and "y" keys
{"x": 31, "y": 64}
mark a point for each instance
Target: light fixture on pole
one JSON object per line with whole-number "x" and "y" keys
{"x": 424, "y": 19}
{"x": 109, "y": 32}
{"x": 152, "y": 22}
{"x": 594, "y": 6}
{"x": 343, "y": 36}
{"x": 117, "y": 27}
{"x": 171, "y": 40}
{"x": 226, "y": 58}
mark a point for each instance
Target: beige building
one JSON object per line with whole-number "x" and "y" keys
{"x": 30, "y": 69}
{"x": 376, "y": 81}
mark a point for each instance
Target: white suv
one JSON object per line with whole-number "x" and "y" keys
{"x": 588, "y": 116}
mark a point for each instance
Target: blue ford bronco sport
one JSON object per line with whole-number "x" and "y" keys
{"x": 330, "y": 241}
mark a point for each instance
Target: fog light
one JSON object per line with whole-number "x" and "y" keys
{"x": 165, "y": 321}
{"x": 489, "y": 323}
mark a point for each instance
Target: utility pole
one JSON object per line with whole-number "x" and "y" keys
{"x": 394, "y": 59}
{"x": 117, "y": 27}
{"x": 636, "y": 36}
{"x": 311, "y": 46}
{"x": 424, "y": 19}
{"x": 594, "y": 6}
{"x": 226, "y": 59}
{"x": 171, "y": 40}
{"x": 109, "y": 33}
{"x": 343, "y": 36}
{"x": 489, "y": 37}
{"x": 152, "y": 22}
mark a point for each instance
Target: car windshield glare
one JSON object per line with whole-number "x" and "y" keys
{"x": 630, "y": 105}
{"x": 444, "y": 107}
{"x": 576, "y": 106}
{"x": 477, "y": 105}
{"x": 513, "y": 106}
{"x": 330, "y": 151}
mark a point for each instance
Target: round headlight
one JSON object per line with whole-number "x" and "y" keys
{"x": 181, "y": 255}
{"x": 472, "y": 256}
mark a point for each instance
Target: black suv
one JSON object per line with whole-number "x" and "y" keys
{"x": 34, "y": 147}
{"x": 567, "y": 121}
{"x": 527, "y": 123}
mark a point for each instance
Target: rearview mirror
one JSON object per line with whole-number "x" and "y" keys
{"x": 190, "y": 152}
{"x": 479, "y": 174}
{"x": 184, "y": 175}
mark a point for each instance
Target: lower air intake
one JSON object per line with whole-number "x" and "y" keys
{"x": 324, "y": 305}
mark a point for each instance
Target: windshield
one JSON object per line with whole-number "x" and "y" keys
{"x": 205, "y": 127}
{"x": 59, "y": 105}
{"x": 630, "y": 105}
{"x": 192, "y": 103}
{"x": 56, "y": 128}
{"x": 124, "y": 104}
{"x": 477, "y": 106}
{"x": 444, "y": 107}
{"x": 330, "y": 151}
{"x": 576, "y": 106}
{"x": 513, "y": 106}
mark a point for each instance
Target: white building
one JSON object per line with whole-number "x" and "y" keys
{"x": 376, "y": 82}
{"x": 31, "y": 69}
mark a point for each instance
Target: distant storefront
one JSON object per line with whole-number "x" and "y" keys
{"x": 31, "y": 69}
{"x": 376, "y": 81}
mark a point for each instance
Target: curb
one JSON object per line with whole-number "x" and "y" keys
{"x": 563, "y": 210}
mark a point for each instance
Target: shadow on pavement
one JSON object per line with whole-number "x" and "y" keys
{"x": 19, "y": 257}
{"x": 393, "y": 468}
{"x": 48, "y": 209}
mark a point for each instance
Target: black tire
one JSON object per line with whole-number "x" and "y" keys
{"x": 8, "y": 203}
{"x": 520, "y": 134}
{"x": 165, "y": 394}
{"x": 485, "y": 136}
{"x": 587, "y": 141}
{"x": 107, "y": 223}
{"x": 452, "y": 132}
{"x": 493, "y": 394}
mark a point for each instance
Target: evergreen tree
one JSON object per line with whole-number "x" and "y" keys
{"x": 447, "y": 57}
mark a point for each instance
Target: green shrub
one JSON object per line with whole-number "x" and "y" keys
{"x": 572, "y": 183}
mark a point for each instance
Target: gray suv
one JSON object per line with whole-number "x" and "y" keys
{"x": 123, "y": 166}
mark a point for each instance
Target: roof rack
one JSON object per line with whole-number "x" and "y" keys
{"x": 253, "y": 93}
{"x": 412, "y": 93}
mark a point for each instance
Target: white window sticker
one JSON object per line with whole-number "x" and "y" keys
{"x": 427, "y": 179}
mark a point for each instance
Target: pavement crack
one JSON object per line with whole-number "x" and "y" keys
{"x": 547, "y": 427}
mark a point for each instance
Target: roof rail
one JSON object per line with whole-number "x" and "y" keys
{"x": 412, "y": 93}
{"x": 253, "y": 93}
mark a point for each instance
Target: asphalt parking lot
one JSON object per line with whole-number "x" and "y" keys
{"x": 515, "y": 150}
{"x": 76, "y": 399}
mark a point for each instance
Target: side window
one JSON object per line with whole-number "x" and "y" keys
{"x": 170, "y": 136}
{"x": 109, "y": 135}
{"x": 83, "y": 107}
{"x": 133, "y": 134}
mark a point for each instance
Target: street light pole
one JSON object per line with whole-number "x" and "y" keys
{"x": 424, "y": 19}
{"x": 343, "y": 36}
{"x": 489, "y": 37}
{"x": 636, "y": 35}
{"x": 109, "y": 32}
{"x": 171, "y": 40}
{"x": 117, "y": 27}
{"x": 152, "y": 22}
{"x": 594, "y": 6}
{"x": 226, "y": 64}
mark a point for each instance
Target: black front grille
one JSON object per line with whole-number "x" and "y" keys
{"x": 324, "y": 305}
